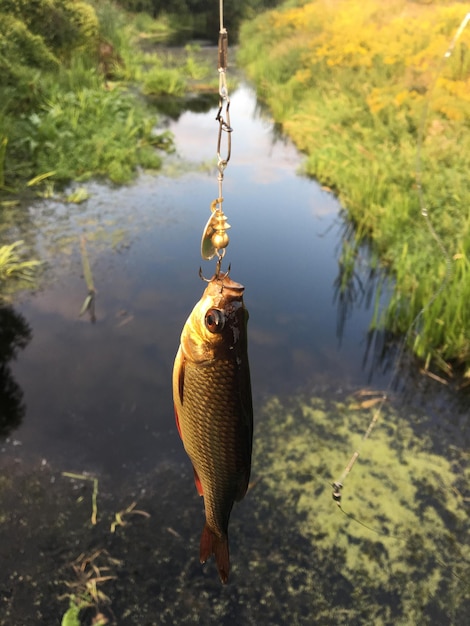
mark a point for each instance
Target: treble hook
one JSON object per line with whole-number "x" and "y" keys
{"x": 202, "y": 277}
{"x": 217, "y": 275}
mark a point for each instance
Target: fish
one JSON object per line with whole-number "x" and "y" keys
{"x": 214, "y": 409}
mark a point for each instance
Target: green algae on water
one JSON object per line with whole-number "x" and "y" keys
{"x": 402, "y": 532}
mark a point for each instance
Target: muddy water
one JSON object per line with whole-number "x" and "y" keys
{"x": 92, "y": 397}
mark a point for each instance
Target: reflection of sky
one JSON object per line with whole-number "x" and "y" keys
{"x": 101, "y": 393}
{"x": 254, "y": 148}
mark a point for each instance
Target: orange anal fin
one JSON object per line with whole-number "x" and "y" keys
{"x": 218, "y": 546}
{"x": 198, "y": 483}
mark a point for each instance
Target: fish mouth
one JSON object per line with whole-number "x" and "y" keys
{"x": 222, "y": 284}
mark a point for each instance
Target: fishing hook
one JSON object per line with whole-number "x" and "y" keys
{"x": 202, "y": 277}
{"x": 217, "y": 275}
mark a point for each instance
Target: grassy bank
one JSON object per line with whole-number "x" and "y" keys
{"x": 73, "y": 77}
{"x": 66, "y": 112}
{"x": 354, "y": 84}
{"x": 73, "y": 101}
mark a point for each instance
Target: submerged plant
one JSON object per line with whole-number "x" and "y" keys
{"x": 91, "y": 571}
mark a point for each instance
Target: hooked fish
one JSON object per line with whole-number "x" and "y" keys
{"x": 213, "y": 408}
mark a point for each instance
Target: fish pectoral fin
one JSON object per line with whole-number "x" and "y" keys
{"x": 181, "y": 379}
{"x": 178, "y": 387}
{"x": 178, "y": 423}
{"x": 197, "y": 482}
{"x": 218, "y": 546}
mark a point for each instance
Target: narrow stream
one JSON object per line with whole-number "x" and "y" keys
{"x": 93, "y": 398}
{"x": 143, "y": 243}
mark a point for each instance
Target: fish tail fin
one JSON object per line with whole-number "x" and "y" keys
{"x": 218, "y": 546}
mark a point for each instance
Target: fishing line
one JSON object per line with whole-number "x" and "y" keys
{"x": 214, "y": 236}
{"x": 425, "y": 213}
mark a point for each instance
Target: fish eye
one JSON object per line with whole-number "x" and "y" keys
{"x": 215, "y": 320}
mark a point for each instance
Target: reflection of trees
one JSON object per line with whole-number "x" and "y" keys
{"x": 361, "y": 284}
{"x": 348, "y": 287}
{"x": 173, "y": 107}
{"x": 14, "y": 334}
{"x": 352, "y": 286}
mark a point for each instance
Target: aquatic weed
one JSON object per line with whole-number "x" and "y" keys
{"x": 14, "y": 265}
{"x": 401, "y": 532}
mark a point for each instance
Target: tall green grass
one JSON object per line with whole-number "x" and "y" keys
{"x": 351, "y": 83}
{"x": 68, "y": 109}
{"x": 92, "y": 133}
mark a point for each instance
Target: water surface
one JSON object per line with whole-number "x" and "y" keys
{"x": 95, "y": 398}
{"x": 96, "y": 389}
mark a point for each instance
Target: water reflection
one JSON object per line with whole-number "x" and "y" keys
{"x": 309, "y": 312}
{"x": 99, "y": 401}
{"x": 362, "y": 284}
{"x": 15, "y": 334}
{"x": 357, "y": 282}
{"x": 173, "y": 107}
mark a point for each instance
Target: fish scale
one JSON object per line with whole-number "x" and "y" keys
{"x": 214, "y": 448}
{"x": 212, "y": 394}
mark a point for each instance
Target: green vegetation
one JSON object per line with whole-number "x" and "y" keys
{"x": 353, "y": 83}
{"x": 71, "y": 105}
{"x": 60, "y": 113}
{"x": 14, "y": 265}
{"x": 199, "y": 17}
{"x": 66, "y": 104}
